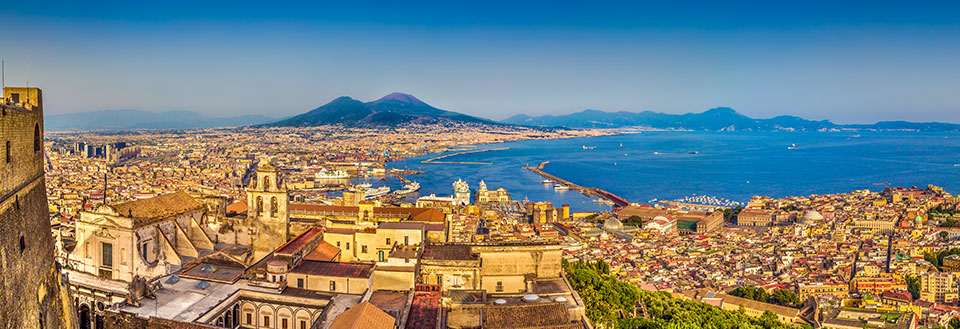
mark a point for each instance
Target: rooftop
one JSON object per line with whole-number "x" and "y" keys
{"x": 350, "y": 270}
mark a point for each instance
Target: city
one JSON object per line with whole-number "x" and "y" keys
{"x": 578, "y": 166}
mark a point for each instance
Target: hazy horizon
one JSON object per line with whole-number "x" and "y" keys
{"x": 857, "y": 62}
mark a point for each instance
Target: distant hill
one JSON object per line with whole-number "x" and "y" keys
{"x": 392, "y": 109}
{"x": 720, "y": 118}
{"x": 136, "y": 119}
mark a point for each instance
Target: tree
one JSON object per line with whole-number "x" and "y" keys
{"x": 943, "y": 235}
{"x": 913, "y": 286}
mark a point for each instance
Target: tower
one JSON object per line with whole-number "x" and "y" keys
{"x": 268, "y": 204}
{"x": 34, "y": 296}
{"x": 461, "y": 192}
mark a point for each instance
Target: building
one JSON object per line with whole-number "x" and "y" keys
{"x": 545, "y": 213}
{"x": 939, "y": 287}
{"x": 484, "y": 195}
{"x": 33, "y": 295}
{"x": 755, "y": 217}
{"x": 951, "y": 263}
{"x": 461, "y": 193}
{"x": 268, "y": 209}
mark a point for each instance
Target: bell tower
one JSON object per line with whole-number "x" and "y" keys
{"x": 268, "y": 204}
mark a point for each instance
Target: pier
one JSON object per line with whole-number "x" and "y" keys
{"x": 435, "y": 160}
{"x": 693, "y": 206}
{"x": 588, "y": 191}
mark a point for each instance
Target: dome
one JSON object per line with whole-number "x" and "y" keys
{"x": 812, "y": 215}
{"x": 918, "y": 219}
{"x": 613, "y": 225}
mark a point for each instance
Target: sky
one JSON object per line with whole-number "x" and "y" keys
{"x": 849, "y": 62}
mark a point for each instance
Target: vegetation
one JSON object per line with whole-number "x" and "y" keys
{"x": 780, "y": 297}
{"x": 913, "y": 286}
{"x": 790, "y": 208}
{"x": 606, "y": 297}
{"x": 936, "y": 258}
{"x": 950, "y": 222}
{"x": 730, "y": 214}
{"x": 942, "y": 211}
{"x": 634, "y": 220}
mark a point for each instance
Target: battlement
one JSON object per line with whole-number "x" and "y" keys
{"x": 27, "y": 98}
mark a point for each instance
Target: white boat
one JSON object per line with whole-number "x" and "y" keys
{"x": 331, "y": 174}
{"x": 793, "y": 146}
{"x": 546, "y": 181}
{"x": 409, "y": 188}
{"x": 373, "y": 193}
{"x": 588, "y": 147}
{"x": 560, "y": 187}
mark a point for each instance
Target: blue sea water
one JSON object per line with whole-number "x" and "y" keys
{"x": 731, "y": 165}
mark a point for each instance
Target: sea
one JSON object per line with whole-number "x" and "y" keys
{"x": 671, "y": 165}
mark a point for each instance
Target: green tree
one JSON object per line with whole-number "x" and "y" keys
{"x": 913, "y": 286}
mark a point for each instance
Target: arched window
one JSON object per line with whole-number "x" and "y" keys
{"x": 266, "y": 183}
{"x": 259, "y": 205}
{"x": 37, "y": 142}
{"x": 273, "y": 207}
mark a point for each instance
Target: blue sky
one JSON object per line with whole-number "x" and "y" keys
{"x": 851, "y": 62}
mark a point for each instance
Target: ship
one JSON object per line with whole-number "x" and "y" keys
{"x": 793, "y": 146}
{"x": 360, "y": 187}
{"x": 331, "y": 174}
{"x": 409, "y": 188}
{"x": 588, "y": 147}
{"x": 694, "y": 152}
{"x": 377, "y": 192}
{"x": 546, "y": 181}
{"x": 560, "y": 187}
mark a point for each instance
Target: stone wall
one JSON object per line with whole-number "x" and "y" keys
{"x": 32, "y": 296}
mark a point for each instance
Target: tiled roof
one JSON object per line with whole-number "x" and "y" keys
{"x": 325, "y": 251}
{"x": 149, "y": 210}
{"x": 301, "y": 240}
{"x": 348, "y": 270}
{"x": 545, "y": 315}
{"x": 363, "y": 316}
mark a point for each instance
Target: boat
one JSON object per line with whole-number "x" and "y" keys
{"x": 546, "y": 181}
{"x": 560, "y": 187}
{"x": 656, "y": 153}
{"x": 694, "y": 152}
{"x": 331, "y": 174}
{"x": 855, "y": 136}
{"x": 409, "y": 188}
{"x": 792, "y": 146}
{"x": 373, "y": 193}
{"x": 360, "y": 187}
{"x": 588, "y": 147}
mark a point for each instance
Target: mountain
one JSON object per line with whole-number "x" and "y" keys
{"x": 392, "y": 109}
{"x": 136, "y": 119}
{"x": 720, "y": 118}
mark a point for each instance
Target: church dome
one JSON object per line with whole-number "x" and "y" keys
{"x": 918, "y": 219}
{"x": 613, "y": 225}
{"x": 812, "y": 215}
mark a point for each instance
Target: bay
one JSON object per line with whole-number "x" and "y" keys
{"x": 730, "y": 165}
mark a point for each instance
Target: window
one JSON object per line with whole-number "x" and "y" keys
{"x": 273, "y": 207}
{"x": 37, "y": 143}
{"x": 266, "y": 320}
{"x": 348, "y": 245}
{"x": 380, "y": 255}
{"x": 303, "y": 324}
{"x": 440, "y": 279}
{"x": 406, "y": 240}
{"x": 499, "y": 285}
{"x": 338, "y": 244}
{"x": 363, "y": 249}
{"x": 123, "y": 252}
{"x": 249, "y": 318}
{"x": 333, "y": 285}
{"x": 8, "y": 151}
{"x": 388, "y": 241}
{"x": 300, "y": 283}
{"x": 106, "y": 253}
{"x": 15, "y": 97}
{"x": 283, "y": 323}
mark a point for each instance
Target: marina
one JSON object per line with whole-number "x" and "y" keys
{"x": 435, "y": 159}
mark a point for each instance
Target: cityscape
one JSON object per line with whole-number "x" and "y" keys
{"x": 392, "y": 213}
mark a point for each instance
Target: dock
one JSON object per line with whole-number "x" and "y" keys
{"x": 588, "y": 191}
{"x": 435, "y": 160}
{"x": 693, "y": 206}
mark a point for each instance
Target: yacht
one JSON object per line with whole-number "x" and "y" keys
{"x": 560, "y": 187}
{"x": 409, "y": 188}
{"x": 370, "y": 194}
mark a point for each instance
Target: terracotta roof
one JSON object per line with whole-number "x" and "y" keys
{"x": 149, "y": 210}
{"x": 544, "y": 315}
{"x": 447, "y": 252}
{"x": 301, "y": 240}
{"x": 238, "y": 207}
{"x": 323, "y": 252}
{"x": 348, "y": 270}
{"x": 423, "y": 310}
{"x": 363, "y": 316}
{"x": 413, "y": 214}
{"x": 401, "y": 226}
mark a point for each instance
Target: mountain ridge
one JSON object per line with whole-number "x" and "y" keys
{"x": 714, "y": 119}
{"x": 393, "y": 109}
{"x": 139, "y": 119}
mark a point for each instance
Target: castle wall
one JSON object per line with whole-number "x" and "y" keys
{"x": 29, "y": 277}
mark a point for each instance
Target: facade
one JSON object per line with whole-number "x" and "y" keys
{"x": 461, "y": 193}
{"x": 484, "y": 195}
{"x": 939, "y": 287}
{"x": 33, "y": 296}
{"x": 268, "y": 209}
{"x": 502, "y": 268}
{"x": 755, "y": 217}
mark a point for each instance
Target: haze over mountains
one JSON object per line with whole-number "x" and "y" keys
{"x": 715, "y": 119}
{"x": 399, "y": 108}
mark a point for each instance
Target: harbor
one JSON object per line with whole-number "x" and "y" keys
{"x": 588, "y": 191}
{"x": 435, "y": 159}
